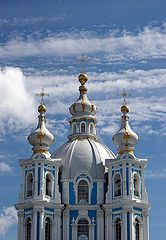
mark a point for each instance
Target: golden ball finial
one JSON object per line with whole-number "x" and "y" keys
{"x": 41, "y": 108}
{"x": 124, "y": 109}
{"x": 83, "y": 78}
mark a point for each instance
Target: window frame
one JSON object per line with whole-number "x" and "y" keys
{"x": 85, "y": 129}
{"x": 137, "y": 185}
{"x": 114, "y": 186}
{"x": 51, "y": 185}
{"x": 27, "y": 189}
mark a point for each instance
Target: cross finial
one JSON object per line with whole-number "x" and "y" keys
{"x": 124, "y": 95}
{"x": 42, "y": 94}
{"x": 82, "y": 60}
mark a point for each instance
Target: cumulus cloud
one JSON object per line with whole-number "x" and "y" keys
{"x": 8, "y": 218}
{"x": 147, "y": 99}
{"x": 16, "y": 102}
{"x": 145, "y": 44}
{"x": 5, "y": 168}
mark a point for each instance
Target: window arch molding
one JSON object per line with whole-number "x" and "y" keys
{"x": 29, "y": 184}
{"x": 117, "y": 184}
{"x": 136, "y": 184}
{"x": 28, "y": 228}
{"x": 83, "y": 176}
{"x": 49, "y": 186}
{"x": 117, "y": 228}
{"x": 74, "y": 127}
{"x": 138, "y": 228}
{"x": 48, "y": 229}
{"x": 91, "y": 128}
{"x": 83, "y": 127}
{"x": 83, "y": 189}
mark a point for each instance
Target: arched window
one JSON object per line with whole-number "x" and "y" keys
{"x": 83, "y": 229}
{"x": 137, "y": 230}
{"x": 83, "y": 128}
{"x": 83, "y": 192}
{"x": 91, "y": 128}
{"x": 29, "y": 188}
{"x": 48, "y": 229}
{"x": 136, "y": 185}
{"x": 118, "y": 229}
{"x": 74, "y": 128}
{"x": 117, "y": 185}
{"x": 48, "y": 185}
{"x": 28, "y": 229}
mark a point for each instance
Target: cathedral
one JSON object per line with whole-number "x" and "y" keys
{"x": 83, "y": 191}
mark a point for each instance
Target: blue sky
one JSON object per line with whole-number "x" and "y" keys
{"x": 40, "y": 42}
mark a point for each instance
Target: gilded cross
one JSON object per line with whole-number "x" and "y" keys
{"x": 42, "y": 94}
{"x": 124, "y": 95}
{"x": 83, "y": 60}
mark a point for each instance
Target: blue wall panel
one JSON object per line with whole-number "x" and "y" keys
{"x": 73, "y": 214}
{"x": 94, "y": 194}
{"x": 71, "y": 194}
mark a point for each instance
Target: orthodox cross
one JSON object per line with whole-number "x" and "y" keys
{"x": 83, "y": 60}
{"x": 42, "y": 94}
{"x": 124, "y": 95}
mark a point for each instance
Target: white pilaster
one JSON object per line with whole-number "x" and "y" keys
{"x": 100, "y": 226}
{"x": 91, "y": 231}
{"x": 42, "y": 180}
{"x": 66, "y": 225}
{"x": 36, "y": 180}
{"x": 34, "y": 225}
{"x": 41, "y": 224}
{"x": 20, "y": 230}
{"x": 124, "y": 224}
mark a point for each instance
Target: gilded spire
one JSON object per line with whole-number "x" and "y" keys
{"x": 125, "y": 138}
{"x": 83, "y": 120}
{"x": 41, "y": 138}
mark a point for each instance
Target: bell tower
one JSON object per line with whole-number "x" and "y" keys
{"x": 39, "y": 207}
{"x": 127, "y": 207}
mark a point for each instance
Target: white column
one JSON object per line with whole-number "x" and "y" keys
{"x": 132, "y": 235}
{"x": 124, "y": 180}
{"x": 124, "y": 224}
{"x": 36, "y": 180}
{"x": 91, "y": 231}
{"x": 57, "y": 229}
{"x": 109, "y": 225}
{"x": 145, "y": 225}
{"x": 34, "y": 225}
{"x": 130, "y": 181}
{"x": 66, "y": 225}
{"x": 100, "y": 225}
{"x": 20, "y": 230}
{"x": 41, "y": 224}
{"x": 42, "y": 180}
{"x": 74, "y": 231}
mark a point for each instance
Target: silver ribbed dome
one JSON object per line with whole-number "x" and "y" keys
{"x": 83, "y": 155}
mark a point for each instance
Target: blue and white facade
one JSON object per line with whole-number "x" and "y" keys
{"x": 83, "y": 191}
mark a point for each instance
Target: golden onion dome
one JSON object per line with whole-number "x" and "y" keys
{"x": 42, "y": 108}
{"x": 125, "y": 109}
{"x": 83, "y": 78}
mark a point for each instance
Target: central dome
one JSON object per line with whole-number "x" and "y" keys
{"x": 83, "y": 155}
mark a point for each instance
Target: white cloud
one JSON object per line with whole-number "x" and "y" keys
{"x": 155, "y": 174}
{"x": 146, "y": 103}
{"x": 8, "y": 218}
{"x": 146, "y": 44}
{"x": 5, "y": 168}
{"x": 16, "y": 102}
